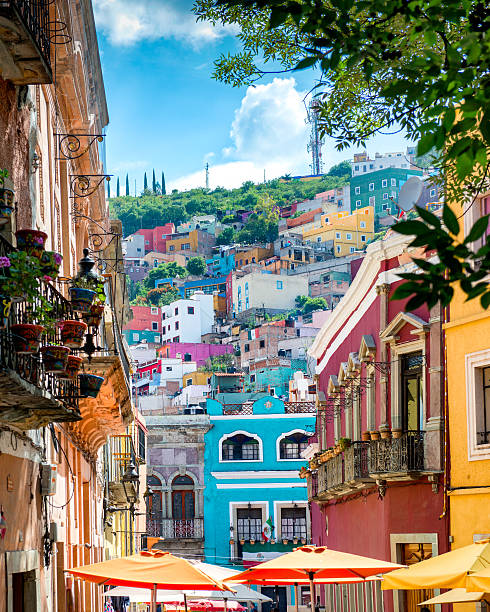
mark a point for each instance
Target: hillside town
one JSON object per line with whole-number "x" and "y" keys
{"x": 268, "y": 398}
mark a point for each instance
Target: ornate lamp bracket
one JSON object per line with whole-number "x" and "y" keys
{"x": 73, "y": 146}
{"x": 84, "y": 185}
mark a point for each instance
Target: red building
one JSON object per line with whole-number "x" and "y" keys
{"x": 145, "y": 318}
{"x": 156, "y": 238}
{"x": 378, "y": 490}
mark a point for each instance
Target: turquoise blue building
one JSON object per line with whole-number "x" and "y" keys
{"x": 255, "y": 504}
{"x": 223, "y": 261}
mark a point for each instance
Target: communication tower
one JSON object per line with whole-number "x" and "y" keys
{"x": 316, "y": 140}
{"x": 207, "y": 175}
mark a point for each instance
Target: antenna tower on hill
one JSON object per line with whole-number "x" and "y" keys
{"x": 207, "y": 175}
{"x": 316, "y": 141}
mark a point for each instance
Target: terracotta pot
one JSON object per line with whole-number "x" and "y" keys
{"x": 5, "y": 305}
{"x": 295, "y": 540}
{"x": 55, "y": 358}
{"x": 94, "y": 316}
{"x": 252, "y": 542}
{"x": 50, "y": 263}
{"x": 232, "y": 541}
{"x": 285, "y": 542}
{"x": 81, "y": 299}
{"x": 90, "y": 384}
{"x": 73, "y": 366}
{"x": 303, "y": 540}
{"x": 385, "y": 434}
{"x": 31, "y": 241}
{"x": 242, "y": 542}
{"x": 72, "y": 333}
{"x": 397, "y": 433}
{"x": 365, "y": 436}
{"x": 26, "y": 338}
{"x": 374, "y": 435}
{"x": 262, "y": 542}
{"x": 6, "y": 205}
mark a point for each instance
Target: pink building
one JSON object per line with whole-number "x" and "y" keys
{"x": 156, "y": 238}
{"x": 197, "y": 352}
{"x": 375, "y": 484}
{"x": 145, "y": 318}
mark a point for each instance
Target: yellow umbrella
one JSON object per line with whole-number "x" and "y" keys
{"x": 447, "y": 571}
{"x": 479, "y": 581}
{"x": 454, "y": 596}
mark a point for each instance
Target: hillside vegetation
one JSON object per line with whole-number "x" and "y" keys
{"x": 150, "y": 210}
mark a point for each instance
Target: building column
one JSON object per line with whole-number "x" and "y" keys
{"x": 434, "y": 426}
{"x": 383, "y": 293}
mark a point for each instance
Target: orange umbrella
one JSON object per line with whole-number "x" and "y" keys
{"x": 149, "y": 569}
{"x": 314, "y": 563}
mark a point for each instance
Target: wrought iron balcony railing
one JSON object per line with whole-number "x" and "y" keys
{"x": 356, "y": 462}
{"x": 26, "y": 28}
{"x": 29, "y": 396}
{"x": 174, "y": 529}
{"x": 312, "y": 485}
{"x": 397, "y": 455}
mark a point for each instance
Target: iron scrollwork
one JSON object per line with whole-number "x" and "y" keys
{"x": 73, "y": 146}
{"x": 84, "y": 185}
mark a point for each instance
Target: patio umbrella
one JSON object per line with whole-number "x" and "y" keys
{"x": 446, "y": 571}
{"x": 313, "y": 563}
{"x": 151, "y": 570}
{"x": 174, "y": 599}
{"x": 479, "y": 581}
{"x": 454, "y": 596}
{"x": 242, "y": 593}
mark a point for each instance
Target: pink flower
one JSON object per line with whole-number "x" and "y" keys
{"x": 39, "y": 240}
{"x": 47, "y": 278}
{"x": 4, "y": 262}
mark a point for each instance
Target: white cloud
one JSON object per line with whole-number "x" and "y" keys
{"x": 127, "y": 22}
{"x": 268, "y": 133}
{"x": 127, "y": 166}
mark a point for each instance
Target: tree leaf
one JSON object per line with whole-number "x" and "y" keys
{"x": 450, "y": 220}
{"x": 478, "y": 229}
{"x": 428, "y": 217}
{"x": 410, "y": 228}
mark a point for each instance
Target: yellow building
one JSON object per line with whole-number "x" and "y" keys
{"x": 197, "y": 378}
{"x": 468, "y": 408}
{"x": 346, "y": 232}
{"x": 246, "y": 255}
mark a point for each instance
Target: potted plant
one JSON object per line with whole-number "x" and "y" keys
{"x": 232, "y": 541}
{"x": 303, "y": 541}
{"x": 344, "y": 443}
{"x": 19, "y": 276}
{"x": 6, "y": 199}
{"x": 303, "y": 473}
{"x": 72, "y": 333}
{"x": 90, "y": 384}
{"x": 26, "y": 338}
{"x": 73, "y": 366}
{"x": 55, "y": 358}
{"x": 94, "y": 316}
{"x": 285, "y": 541}
{"x": 295, "y": 540}
{"x": 50, "y": 264}
{"x": 252, "y": 542}
{"x": 31, "y": 241}
{"x": 385, "y": 433}
{"x": 365, "y": 436}
{"x": 374, "y": 434}
{"x": 242, "y": 542}
{"x": 397, "y": 433}
{"x": 272, "y": 541}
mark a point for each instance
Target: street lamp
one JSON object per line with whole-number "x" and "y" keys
{"x": 131, "y": 477}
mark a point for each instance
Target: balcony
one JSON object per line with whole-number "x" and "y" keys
{"x": 397, "y": 458}
{"x": 121, "y": 453}
{"x": 30, "y": 397}
{"x": 25, "y": 42}
{"x": 175, "y": 529}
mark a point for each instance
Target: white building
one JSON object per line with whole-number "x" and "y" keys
{"x": 133, "y": 248}
{"x": 362, "y": 164}
{"x": 187, "y": 320}
{"x": 274, "y": 293}
{"x": 174, "y": 369}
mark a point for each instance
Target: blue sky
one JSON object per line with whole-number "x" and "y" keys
{"x": 167, "y": 113}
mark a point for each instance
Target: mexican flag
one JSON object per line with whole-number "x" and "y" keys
{"x": 267, "y": 529}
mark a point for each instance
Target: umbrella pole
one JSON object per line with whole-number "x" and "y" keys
{"x": 225, "y": 606}
{"x": 312, "y": 591}
{"x": 154, "y": 598}
{"x": 296, "y": 597}
{"x": 185, "y": 602}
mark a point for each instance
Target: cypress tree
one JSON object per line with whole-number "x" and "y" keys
{"x": 164, "y": 190}
{"x": 154, "y": 183}
{"x": 127, "y": 185}
{"x": 117, "y": 188}
{"x": 145, "y": 183}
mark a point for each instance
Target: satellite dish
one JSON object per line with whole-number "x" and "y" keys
{"x": 410, "y": 193}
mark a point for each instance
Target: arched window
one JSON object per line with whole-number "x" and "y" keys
{"x": 240, "y": 447}
{"x": 292, "y": 445}
{"x": 154, "y": 507}
{"x": 183, "y": 500}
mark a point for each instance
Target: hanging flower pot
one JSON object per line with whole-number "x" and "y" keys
{"x": 5, "y": 305}
{"x": 72, "y": 333}
{"x": 90, "y": 385}
{"x": 94, "y": 316}
{"x": 375, "y": 435}
{"x": 385, "y": 434}
{"x": 72, "y": 368}
{"x": 55, "y": 358}
{"x": 31, "y": 241}
{"x": 50, "y": 263}
{"x": 6, "y": 205}
{"x": 26, "y": 338}
{"x": 81, "y": 299}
